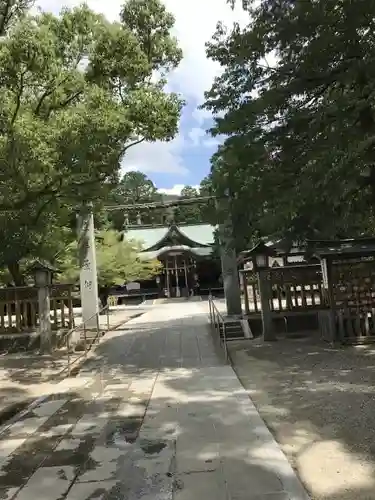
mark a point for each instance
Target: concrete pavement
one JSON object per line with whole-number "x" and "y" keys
{"x": 156, "y": 416}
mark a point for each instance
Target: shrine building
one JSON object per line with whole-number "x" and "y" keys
{"x": 187, "y": 254}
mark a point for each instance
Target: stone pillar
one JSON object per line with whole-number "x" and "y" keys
{"x": 229, "y": 267}
{"x": 87, "y": 262}
{"x": 44, "y": 319}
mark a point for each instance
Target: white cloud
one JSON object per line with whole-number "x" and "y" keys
{"x": 200, "y": 115}
{"x": 175, "y": 190}
{"x": 200, "y": 138}
{"x": 195, "y": 23}
{"x": 196, "y": 134}
{"x": 156, "y": 157}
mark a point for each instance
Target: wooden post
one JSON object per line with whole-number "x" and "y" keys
{"x": 186, "y": 279}
{"x": 265, "y": 295}
{"x": 178, "y": 292}
{"x": 167, "y": 275}
{"x": 326, "y": 266}
{"x": 246, "y": 293}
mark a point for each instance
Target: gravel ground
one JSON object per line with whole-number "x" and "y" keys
{"x": 320, "y": 405}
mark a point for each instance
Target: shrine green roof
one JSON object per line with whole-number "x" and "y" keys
{"x": 198, "y": 252}
{"x": 198, "y": 234}
{"x": 148, "y": 237}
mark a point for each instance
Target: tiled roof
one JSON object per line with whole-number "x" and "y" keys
{"x": 199, "y": 252}
{"x": 201, "y": 234}
{"x": 148, "y": 236}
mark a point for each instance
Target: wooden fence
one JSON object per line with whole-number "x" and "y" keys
{"x": 292, "y": 289}
{"x": 19, "y": 308}
{"x": 352, "y": 290}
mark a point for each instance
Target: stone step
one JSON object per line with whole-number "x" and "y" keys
{"x": 233, "y": 330}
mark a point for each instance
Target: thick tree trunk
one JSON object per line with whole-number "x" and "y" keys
{"x": 15, "y": 272}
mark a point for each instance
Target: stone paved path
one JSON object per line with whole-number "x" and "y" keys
{"x": 157, "y": 416}
{"x": 25, "y": 376}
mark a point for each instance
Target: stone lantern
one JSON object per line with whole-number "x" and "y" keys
{"x": 43, "y": 272}
{"x": 259, "y": 256}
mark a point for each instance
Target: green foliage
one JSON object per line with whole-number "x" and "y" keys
{"x": 199, "y": 212}
{"x": 117, "y": 261}
{"x": 208, "y": 208}
{"x": 188, "y": 214}
{"x": 296, "y": 104}
{"x": 10, "y": 12}
{"x": 76, "y": 91}
{"x": 135, "y": 188}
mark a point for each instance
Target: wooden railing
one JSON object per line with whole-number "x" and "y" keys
{"x": 19, "y": 308}
{"x": 251, "y": 289}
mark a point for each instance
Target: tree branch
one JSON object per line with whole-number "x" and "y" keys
{"x": 134, "y": 143}
{"x": 47, "y": 93}
{"x": 18, "y": 97}
{"x": 65, "y": 103}
{"x": 41, "y": 209}
{"x": 5, "y": 17}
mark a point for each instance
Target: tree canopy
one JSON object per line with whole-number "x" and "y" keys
{"x": 188, "y": 214}
{"x": 134, "y": 188}
{"x": 117, "y": 261}
{"x": 76, "y": 91}
{"x": 296, "y": 103}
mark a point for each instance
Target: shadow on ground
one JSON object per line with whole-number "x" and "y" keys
{"x": 29, "y": 368}
{"x": 308, "y": 394}
{"x": 319, "y": 402}
{"x": 12, "y": 401}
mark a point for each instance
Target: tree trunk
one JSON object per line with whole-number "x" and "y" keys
{"x": 15, "y": 272}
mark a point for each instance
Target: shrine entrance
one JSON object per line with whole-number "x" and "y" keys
{"x": 179, "y": 276}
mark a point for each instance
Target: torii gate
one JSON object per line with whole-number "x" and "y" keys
{"x": 87, "y": 258}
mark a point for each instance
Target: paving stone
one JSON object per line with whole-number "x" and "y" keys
{"x": 8, "y": 446}
{"x": 8, "y": 493}
{"x": 246, "y": 478}
{"x": 195, "y": 455}
{"x": 200, "y": 438}
{"x": 89, "y": 424}
{"x": 23, "y": 428}
{"x": 267, "y": 496}
{"x": 48, "y": 408}
{"x": 102, "y": 465}
{"x": 92, "y": 491}
{"x": 201, "y": 485}
{"x": 47, "y": 483}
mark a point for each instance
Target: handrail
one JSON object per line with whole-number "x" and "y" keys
{"x": 85, "y": 345}
{"x": 218, "y": 322}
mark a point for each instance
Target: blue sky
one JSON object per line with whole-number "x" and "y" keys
{"x": 184, "y": 162}
{"x": 186, "y": 159}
